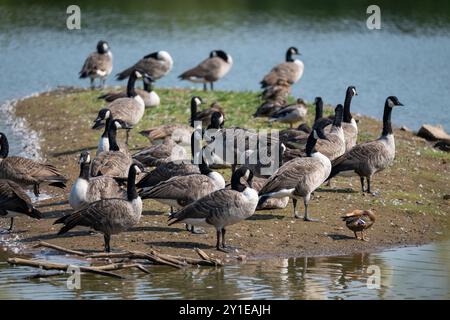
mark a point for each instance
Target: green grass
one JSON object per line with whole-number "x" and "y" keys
{"x": 175, "y": 108}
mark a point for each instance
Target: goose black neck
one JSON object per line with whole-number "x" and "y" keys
{"x": 107, "y": 125}
{"x": 310, "y": 145}
{"x": 338, "y": 115}
{"x": 148, "y": 86}
{"x": 319, "y": 110}
{"x": 84, "y": 170}
{"x": 112, "y": 133}
{"x": 347, "y": 102}
{"x": 236, "y": 183}
{"x": 131, "y": 184}
{"x": 387, "y": 125}
{"x": 204, "y": 168}
{"x": 193, "y": 111}
{"x": 4, "y": 147}
{"x": 131, "y": 92}
{"x": 280, "y": 155}
{"x": 289, "y": 57}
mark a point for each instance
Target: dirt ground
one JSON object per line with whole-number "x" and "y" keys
{"x": 411, "y": 208}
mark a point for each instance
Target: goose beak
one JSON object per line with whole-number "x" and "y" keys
{"x": 400, "y": 104}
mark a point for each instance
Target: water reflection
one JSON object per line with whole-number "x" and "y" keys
{"x": 406, "y": 273}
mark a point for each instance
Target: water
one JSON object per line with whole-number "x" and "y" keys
{"x": 407, "y": 58}
{"x": 406, "y": 273}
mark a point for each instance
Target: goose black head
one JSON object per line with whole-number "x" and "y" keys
{"x": 217, "y": 120}
{"x": 291, "y": 52}
{"x": 316, "y": 134}
{"x": 196, "y": 100}
{"x": 221, "y": 54}
{"x": 393, "y": 101}
{"x": 137, "y": 166}
{"x": 153, "y": 55}
{"x": 242, "y": 172}
{"x": 351, "y": 90}
{"x": 103, "y": 114}
{"x": 148, "y": 80}
{"x": 102, "y": 47}
{"x": 338, "y": 115}
{"x": 85, "y": 157}
{"x": 318, "y": 100}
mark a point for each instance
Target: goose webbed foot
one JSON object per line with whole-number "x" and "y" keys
{"x": 364, "y": 238}
{"x": 308, "y": 219}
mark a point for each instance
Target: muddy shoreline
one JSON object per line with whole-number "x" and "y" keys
{"x": 411, "y": 207}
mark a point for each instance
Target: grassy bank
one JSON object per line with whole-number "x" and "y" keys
{"x": 411, "y": 207}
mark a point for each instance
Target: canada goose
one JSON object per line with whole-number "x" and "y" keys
{"x": 167, "y": 170}
{"x": 299, "y": 177}
{"x": 271, "y": 203}
{"x": 86, "y": 189}
{"x": 303, "y": 130}
{"x": 115, "y": 162}
{"x": 282, "y": 89}
{"x": 130, "y": 109}
{"x": 267, "y": 108}
{"x": 290, "y": 71}
{"x": 150, "y": 97}
{"x": 209, "y": 70}
{"x": 14, "y": 201}
{"x": 108, "y": 216}
{"x": 291, "y": 113}
{"x": 103, "y": 142}
{"x": 98, "y": 64}
{"x": 27, "y": 172}
{"x": 349, "y": 124}
{"x": 156, "y": 154}
{"x": 334, "y": 145}
{"x": 180, "y": 191}
{"x": 221, "y": 208}
{"x": 368, "y": 158}
{"x": 156, "y": 65}
{"x": 358, "y": 221}
{"x": 179, "y": 133}
{"x": 204, "y": 115}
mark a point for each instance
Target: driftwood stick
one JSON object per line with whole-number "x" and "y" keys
{"x": 138, "y": 255}
{"x": 60, "y": 266}
{"x": 205, "y": 257}
{"x": 43, "y": 244}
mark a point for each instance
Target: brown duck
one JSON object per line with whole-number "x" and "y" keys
{"x": 359, "y": 221}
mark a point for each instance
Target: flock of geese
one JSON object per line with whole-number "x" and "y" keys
{"x": 107, "y": 196}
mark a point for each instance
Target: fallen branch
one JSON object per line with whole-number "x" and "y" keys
{"x": 60, "y": 266}
{"x": 43, "y": 244}
{"x": 205, "y": 257}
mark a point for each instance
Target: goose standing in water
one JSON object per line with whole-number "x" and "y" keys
{"x": 150, "y": 97}
{"x": 222, "y": 208}
{"x": 209, "y": 70}
{"x": 156, "y": 65}
{"x": 368, "y": 158}
{"x": 98, "y": 64}
{"x": 108, "y": 216}
{"x": 86, "y": 189}
{"x": 27, "y": 172}
{"x": 130, "y": 110}
{"x": 14, "y": 202}
{"x": 299, "y": 177}
{"x": 290, "y": 71}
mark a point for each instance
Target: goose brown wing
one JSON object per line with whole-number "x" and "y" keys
{"x": 215, "y": 203}
{"x": 100, "y": 215}
{"x": 203, "y": 70}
